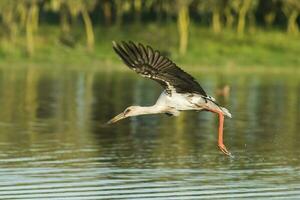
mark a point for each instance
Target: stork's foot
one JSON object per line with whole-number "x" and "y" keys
{"x": 224, "y": 149}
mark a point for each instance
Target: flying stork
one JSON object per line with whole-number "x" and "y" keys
{"x": 181, "y": 91}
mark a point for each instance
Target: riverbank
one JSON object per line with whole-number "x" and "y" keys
{"x": 257, "y": 51}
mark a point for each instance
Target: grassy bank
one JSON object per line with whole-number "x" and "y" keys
{"x": 257, "y": 50}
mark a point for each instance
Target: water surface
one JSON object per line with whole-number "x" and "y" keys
{"x": 53, "y": 144}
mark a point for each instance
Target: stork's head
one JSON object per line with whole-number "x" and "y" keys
{"x": 128, "y": 112}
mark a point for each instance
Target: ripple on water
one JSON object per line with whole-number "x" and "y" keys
{"x": 118, "y": 183}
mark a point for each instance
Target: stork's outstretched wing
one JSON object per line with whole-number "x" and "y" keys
{"x": 151, "y": 64}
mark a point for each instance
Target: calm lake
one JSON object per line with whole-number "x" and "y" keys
{"x": 53, "y": 144}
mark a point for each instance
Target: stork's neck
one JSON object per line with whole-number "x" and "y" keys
{"x": 146, "y": 110}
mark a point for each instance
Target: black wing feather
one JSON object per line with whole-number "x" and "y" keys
{"x": 151, "y": 64}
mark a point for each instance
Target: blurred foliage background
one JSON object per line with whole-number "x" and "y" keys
{"x": 247, "y": 33}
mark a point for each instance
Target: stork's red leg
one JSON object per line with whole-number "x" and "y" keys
{"x": 220, "y": 136}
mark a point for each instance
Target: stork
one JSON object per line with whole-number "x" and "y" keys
{"x": 181, "y": 91}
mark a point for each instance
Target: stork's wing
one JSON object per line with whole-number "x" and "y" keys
{"x": 151, "y": 64}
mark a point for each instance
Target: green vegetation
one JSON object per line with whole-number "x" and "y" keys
{"x": 263, "y": 49}
{"x": 209, "y": 33}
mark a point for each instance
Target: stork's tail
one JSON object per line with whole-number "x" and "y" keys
{"x": 212, "y": 105}
{"x": 226, "y": 112}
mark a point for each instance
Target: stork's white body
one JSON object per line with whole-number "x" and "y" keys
{"x": 177, "y": 102}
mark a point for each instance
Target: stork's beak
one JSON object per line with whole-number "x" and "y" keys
{"x": 116, "y": 118}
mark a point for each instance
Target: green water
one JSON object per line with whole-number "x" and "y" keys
{"x": 53, "y": 144}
